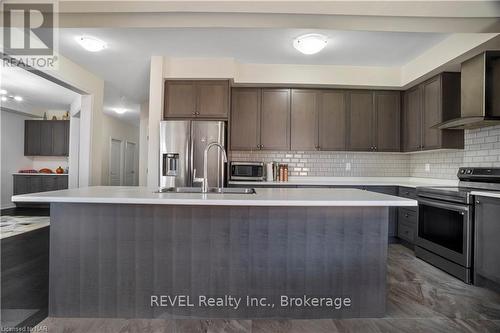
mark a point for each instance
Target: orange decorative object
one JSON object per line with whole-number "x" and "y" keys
{"x": 59, "y": 170}
{"x": 45, "y": 170}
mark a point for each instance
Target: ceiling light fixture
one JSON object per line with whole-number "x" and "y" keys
{"x": 310, "y": 43}
{"x": 91, "y": 44}
{"x": 120, "y": 110}
{"x": 18, "y": 98}
{"x": 4, "y": 98}
{"x": 3, "y": 92}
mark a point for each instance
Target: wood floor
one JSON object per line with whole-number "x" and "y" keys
{"x": 421, "y": 298}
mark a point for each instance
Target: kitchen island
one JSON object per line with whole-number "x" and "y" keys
{"x": 279, "y": 253}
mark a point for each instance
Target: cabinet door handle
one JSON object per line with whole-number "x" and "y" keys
{"x": 261, "y": 146}
{"x": 478, "y": 202}
{"x": 407, "y": 215}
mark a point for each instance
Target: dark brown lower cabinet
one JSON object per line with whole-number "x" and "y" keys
{"x": 487, "y": 246}
{"x": 24, "y": 184}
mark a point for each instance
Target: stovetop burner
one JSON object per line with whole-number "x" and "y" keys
{"x": 484, "y": 179}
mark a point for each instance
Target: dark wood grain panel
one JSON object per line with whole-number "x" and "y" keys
{"x": 245, "y": 119}
{"x": 214, "y": 251}
{"x": 361, "y": 120}
{"x": 304, "y": 119}
{"x": 332, "y": 120}
{"x": 388, "y": 120}
{"x": 275, "y": 119}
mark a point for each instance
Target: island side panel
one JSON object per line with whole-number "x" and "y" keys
{"x": 107, "y": 260}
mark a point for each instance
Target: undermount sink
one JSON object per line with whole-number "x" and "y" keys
{"x": 211, "y": 190}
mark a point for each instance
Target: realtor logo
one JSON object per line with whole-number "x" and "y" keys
{"x": 29, "y": 34}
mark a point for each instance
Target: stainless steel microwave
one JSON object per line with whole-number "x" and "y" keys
{"x": 251, "y": 171}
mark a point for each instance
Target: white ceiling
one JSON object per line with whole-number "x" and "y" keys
{"x": 38, "y": 93}
{"x": 125, "y": 64}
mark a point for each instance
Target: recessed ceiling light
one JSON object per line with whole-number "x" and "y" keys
{"x": 310, "y": 43}
{"x": 18, "y": 98}
{"x": 4, "y": 99}
{"x": 119, "y": 110}
{"x": 91, "y": 44}
{"x": 3, "y": 92}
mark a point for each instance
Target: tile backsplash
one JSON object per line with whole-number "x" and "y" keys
{"x": 482, "y": 149}
{"x": 331, "y": 164}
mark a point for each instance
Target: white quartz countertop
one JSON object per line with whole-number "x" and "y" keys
{"x": 263, "y": 197}
{"x": 353, "y": 181}
{"x": 490, "y": 194}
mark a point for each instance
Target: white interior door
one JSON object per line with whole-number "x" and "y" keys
{"x": 115, "y": 162}
{"x": 130, "y": 171}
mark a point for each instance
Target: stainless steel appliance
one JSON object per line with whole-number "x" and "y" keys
{"x": 445, "y": 229}
{"x": 182, "y": 144}
{"x": 252, "y": 171}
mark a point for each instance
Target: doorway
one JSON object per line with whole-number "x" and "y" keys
{"x": 115, "y": 162}
{"x": 130, "y": 172}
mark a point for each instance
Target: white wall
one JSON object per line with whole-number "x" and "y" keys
{"x": 155, "y": 115}
{"x": 143, "y": 144}
{"x": 13, "y": 159}
{"x": 117, "y": 129}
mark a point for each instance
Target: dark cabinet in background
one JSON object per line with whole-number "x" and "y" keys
{"x": 360, "y": 120}
{"x": 201, "y": 98}
{"x": 428, "y": 104}
{"x": 487, "y": 246}
{"x": 260, "y": 119}
{"x": 275, "y": 119}
{"x": 245, "y": 119}
{"x": 24, "y": 184}
{"x": 374, "y": 120}
{"x": 46, "y": 137}
{"x": 332, "y": 118}
{"x": 304, "y": 119}
{"x": 387, "y": 121}
{"x": 318, "y": 119}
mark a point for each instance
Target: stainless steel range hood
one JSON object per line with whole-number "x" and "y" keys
{"x": 480, "y": 93}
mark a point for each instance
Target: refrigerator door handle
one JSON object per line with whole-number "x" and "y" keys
{"x": 191, "y": 156}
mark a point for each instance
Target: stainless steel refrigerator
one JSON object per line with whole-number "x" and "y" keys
{"x": 182, "y": 143}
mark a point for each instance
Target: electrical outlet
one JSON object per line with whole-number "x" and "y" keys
{"x": 427, "y": 167}
{"x": 348, "y": 166}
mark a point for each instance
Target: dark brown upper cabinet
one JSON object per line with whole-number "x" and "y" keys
{"x": 204, "y": 99}
{"x": 275, "y": 119}
{"x": 318, "y": 120}
{"x": 374, "y": 120}
{"x": 427, "y": 105}
{"x": 360, "y": 120}
{"x": 332, "y": 118}
{"x": 304, "y": 123}
{"x": 245, "y": 119}
{"x": 387, "y": 121}
{"x": 46, "y": 137}
{"x": 260, "y": 119}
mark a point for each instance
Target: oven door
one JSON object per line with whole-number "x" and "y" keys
{"x": 445, "y": 229}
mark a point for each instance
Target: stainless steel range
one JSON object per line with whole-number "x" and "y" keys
{"x": 445, "y": 233}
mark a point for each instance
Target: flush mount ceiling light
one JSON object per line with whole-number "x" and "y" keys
{"x": 3, "y": 92}
{"x": 119, "y": 110}
{"x": 4, "y": 98}
{"x": 18, "y": 98}
{"x": 91, "y": 44}
{"x": 310, "y": 43}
